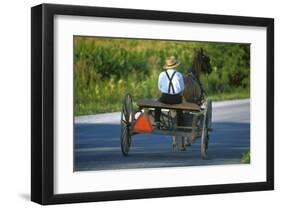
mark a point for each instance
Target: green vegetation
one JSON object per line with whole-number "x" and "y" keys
{"x": 105, "y": 68}
{"x": 236, "y": 93}
{"x": 246, "y": 157}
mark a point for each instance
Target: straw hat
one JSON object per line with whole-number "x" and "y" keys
{"x": 171, "y": 62}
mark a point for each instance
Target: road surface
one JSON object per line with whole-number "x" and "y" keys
{"x": 97, "y": 142}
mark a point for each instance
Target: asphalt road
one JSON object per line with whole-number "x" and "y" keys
{"x": 97, "y": 142}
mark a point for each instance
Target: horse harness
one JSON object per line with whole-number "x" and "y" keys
{"x": 170, "y": 81}
{"x": 203, "y": 92}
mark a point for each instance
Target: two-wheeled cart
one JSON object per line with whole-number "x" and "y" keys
{"x": 196, "y": 121}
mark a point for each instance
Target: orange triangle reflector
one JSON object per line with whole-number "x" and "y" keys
{"x": 142, "y": 124}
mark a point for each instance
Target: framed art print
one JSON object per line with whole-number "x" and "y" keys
{"x": 130, "y": 104}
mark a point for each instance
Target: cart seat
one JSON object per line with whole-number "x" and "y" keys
{"x": 152, "y": 103}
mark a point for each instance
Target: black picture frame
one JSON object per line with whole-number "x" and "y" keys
{"x": 42, "y": 103}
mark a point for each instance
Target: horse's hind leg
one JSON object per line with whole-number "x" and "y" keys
{"x": 188, "y": 143}
{"x": 182, "y": 146}
{"x": 174, "y": 144}
{"x": 185, "y": 142}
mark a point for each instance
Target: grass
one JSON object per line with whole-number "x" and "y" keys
{"x": 245, "y": 157}
{"x": 235, "y": 94}
{"x": 107, "y": 96}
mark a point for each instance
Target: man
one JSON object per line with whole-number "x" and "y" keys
{"x": 171, "y": 85}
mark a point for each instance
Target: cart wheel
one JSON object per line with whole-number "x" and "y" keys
{"x": 126, "y": 122}
{"x": 207, "y": 122}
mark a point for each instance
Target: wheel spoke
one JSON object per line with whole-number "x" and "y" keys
{"x": 124, "y": 133}
{"x": 125, "y": 113}
{"x": 125, "y": 141}
{"x": 124, "y": 122}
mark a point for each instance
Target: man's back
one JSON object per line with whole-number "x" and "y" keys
{"x": 176, "y": 81}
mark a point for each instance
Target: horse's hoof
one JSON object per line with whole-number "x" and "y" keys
{"x": 174, "y": 147}
{"x": 182, "y": 149}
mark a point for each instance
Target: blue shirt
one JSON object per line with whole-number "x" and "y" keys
{"x": 177, "y": 82}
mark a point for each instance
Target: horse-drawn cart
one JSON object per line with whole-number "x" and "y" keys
{"x": 196, "y": 122}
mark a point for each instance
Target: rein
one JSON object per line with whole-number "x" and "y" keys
{"x": 203, "y": 92}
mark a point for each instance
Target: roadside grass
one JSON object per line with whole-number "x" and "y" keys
{"x": 107, "y": 95}
{"x": 245, "y": 157}
{"x": 235, "y": 94}
{"x": 104, "y": 97}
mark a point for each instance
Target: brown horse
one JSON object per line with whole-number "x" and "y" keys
{"x": 193, "y": 89}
